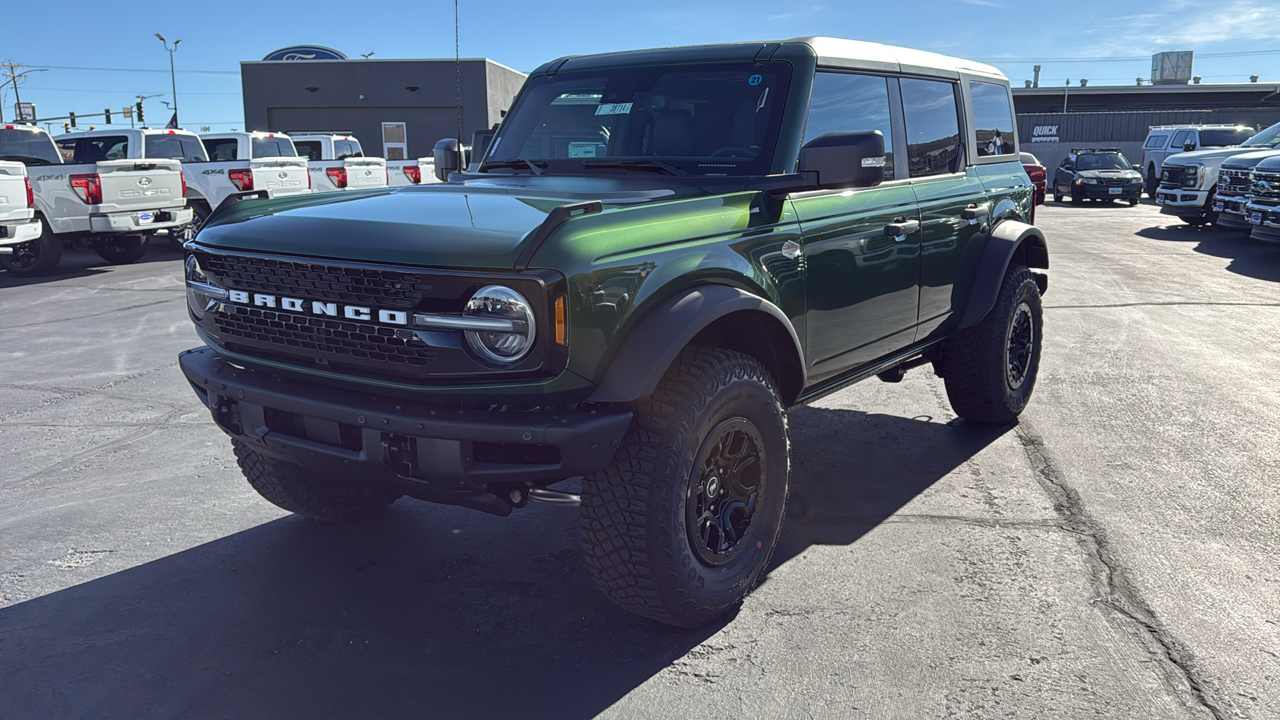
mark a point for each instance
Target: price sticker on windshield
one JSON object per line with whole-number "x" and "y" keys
{"x": 614, "y": 109}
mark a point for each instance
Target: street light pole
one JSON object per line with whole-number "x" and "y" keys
{"x": 14, "y": 77}
{"x": 173, "y": 78}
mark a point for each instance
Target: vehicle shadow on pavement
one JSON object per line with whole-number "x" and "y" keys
{"x": 425, "y": 611}
{"x": 1251, "y": 258}
{"x": 87, "y": 263}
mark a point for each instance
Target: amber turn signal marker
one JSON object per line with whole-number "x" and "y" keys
{"x": 561, "y": 330}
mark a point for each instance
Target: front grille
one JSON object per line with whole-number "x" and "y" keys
{"x": 1233, "y": 182}
{"x": 1173, "y": 175}
{"x": 1266, "y": 185}
{"x": 324, "y": 338}
{"x": 1114, "y": 183}
{"x": 390, "y": 289}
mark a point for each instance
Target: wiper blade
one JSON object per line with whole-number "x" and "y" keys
{"x": 517, "y": 164}
{"x": 637, "y": 165}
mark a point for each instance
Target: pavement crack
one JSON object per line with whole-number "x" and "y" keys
{"x": 113, "y": 311}
{"x": 1116, "y": 590}
{"x": 1173, "y": 303}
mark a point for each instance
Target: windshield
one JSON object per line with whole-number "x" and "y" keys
{"x": 1103, "y": 161}
{"x": 25, "y": 146}
{"x": 186, "y": 148}
{"x": 699, "y": 119}
{"x": 94, "y": 149}
{"x": 269, "y": 147}
{"x": 1228, "y": 137}
{"x": 1267, "y": 138}
{"x": 309, "y": 149}
{"x": 1028, "y": 159}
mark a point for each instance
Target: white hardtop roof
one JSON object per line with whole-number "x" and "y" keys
{"x": 244, "y": 133}
{"x": 330, "y": 135}
{"x": 121, "y": 131}
{"x": 859, "y": 53}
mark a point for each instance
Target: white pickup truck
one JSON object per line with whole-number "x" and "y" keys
{"x": 244, "y": 161}
{"x": 18, "y": 222}
{"x": 402, "y": 173}
{"x": 87, "y": 191}
{"x": 338, "y": 163}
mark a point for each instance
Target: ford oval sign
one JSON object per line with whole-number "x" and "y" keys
{"x": 304, "y": 52}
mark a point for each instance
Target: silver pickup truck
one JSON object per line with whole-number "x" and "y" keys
{"x": 87, "y": 193}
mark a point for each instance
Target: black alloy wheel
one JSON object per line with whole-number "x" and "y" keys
{"x": 38, "y": 257}
{"x": 1020, "y": 346}
{"x": 725, "y": 490}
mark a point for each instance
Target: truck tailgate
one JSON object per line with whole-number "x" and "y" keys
{"x": 364, "y": 173}
{"x": 138, "y": 184}
{"x": 13, "y": 192}
{"x": 281, "y": 175}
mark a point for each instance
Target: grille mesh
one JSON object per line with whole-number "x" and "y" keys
{"x": 389, "y": 289}
{"x": 1174, "y": 175}
{"x": 1233, "y": 182}
{"x": 322, "y": 336}
{"x": 1272, "y": 192}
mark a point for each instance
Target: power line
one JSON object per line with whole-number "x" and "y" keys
{"x": 146, "y": 70}
{"x": 125, "y": 92}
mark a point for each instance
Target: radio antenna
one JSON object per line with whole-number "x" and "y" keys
{"x": 457, "y": 64}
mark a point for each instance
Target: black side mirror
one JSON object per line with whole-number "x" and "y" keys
{"x": 1189, "y": 146}
{"x": 448, "y": 156}
{"x": 845, "y": 159}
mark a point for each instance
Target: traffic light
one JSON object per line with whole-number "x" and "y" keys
{"x": 66, "y": 127}
{"x": 71, "y": 117}
{"x": 139, "y": 107}
{"x": 107, "y": 115}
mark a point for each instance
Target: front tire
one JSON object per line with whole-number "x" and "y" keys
{"x": 38, "y": 257}
{"x": 121, "y": 250}
{"x": 990, "y": 369}
{"x": 680, "y": 527}
{"x": 321, "y": 497}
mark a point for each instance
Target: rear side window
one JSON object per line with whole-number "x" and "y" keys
{"x": 28, "y": 147}
{"x": 186, "y": 148}
{"x": 343, "y": 149}
{"x": 309, "y": 149}
{"x": 94, "y": 149}
{"x": 844, "y": 102}
{"x": 221, "y": 149}
{"x": 992, "y": 118}
{"x": 933, "y": 127}
{"x": 1155, "y": 141}
{"x": 268, "y": 147}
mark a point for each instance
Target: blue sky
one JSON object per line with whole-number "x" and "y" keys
{"x": 1070, "y": 40}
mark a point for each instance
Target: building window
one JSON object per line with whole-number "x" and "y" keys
{"x": 844, "y": 102}
{"x": 394, "y": 146}
{"x": 933, "y": 127}
{"x": 992, "y": 118}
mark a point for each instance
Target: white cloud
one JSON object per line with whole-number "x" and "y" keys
{"x": 1185, "y": 25}
{"x": 983, "y": 3}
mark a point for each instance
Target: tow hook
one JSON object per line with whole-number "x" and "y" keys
{"x": 517, "y": 496}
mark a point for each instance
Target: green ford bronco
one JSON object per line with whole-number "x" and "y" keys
{"x": 660, "y": 253}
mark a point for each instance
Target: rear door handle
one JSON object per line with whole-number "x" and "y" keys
{"x": 900, "y": 228}
{"x": 975, "y": 212}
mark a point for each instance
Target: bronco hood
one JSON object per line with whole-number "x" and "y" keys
{"x": 457, "y": 226}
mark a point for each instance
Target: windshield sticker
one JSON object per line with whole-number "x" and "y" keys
{"x": 584, "y": 149}
{"x": 764, "y": 96}
{"x": 614, "y": 109}
{"x": 755, "y": 80}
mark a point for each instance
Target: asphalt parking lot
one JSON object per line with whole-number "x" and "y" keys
{"x": 1113, "y": 555}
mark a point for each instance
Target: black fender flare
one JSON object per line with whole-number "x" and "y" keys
{"x": 1006, "y": 241}
{"x": 652, "y": 345}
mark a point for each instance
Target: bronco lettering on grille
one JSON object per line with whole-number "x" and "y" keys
{"x": 315, "y": 307}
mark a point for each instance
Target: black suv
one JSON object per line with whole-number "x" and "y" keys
{"x": 1097, "y": 174}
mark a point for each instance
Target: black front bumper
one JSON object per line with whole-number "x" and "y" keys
{"x": 438, "y": 453}
{"x": 1102, "y": 192}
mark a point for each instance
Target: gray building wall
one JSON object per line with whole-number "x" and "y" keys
{"x": 357, "y": 96}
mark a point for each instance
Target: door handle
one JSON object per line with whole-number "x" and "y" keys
{"x": 975, "y": 212}
{"x": 900, "y": 228}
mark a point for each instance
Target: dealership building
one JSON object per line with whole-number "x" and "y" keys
{"x": 396, "y": 108}
{"x": 1051, "y": 121}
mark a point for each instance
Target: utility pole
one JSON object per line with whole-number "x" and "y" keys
{"x": 173, "y": 78}
{"x": 11, "y": 69}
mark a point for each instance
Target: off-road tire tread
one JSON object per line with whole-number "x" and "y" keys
{"x": 972, "y": 360}
{"x": 615, "y": 514}
{"x": 321, "y": 497}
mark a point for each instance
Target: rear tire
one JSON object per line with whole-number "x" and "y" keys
{"x": 121, "y": 250}
{"x": 1153, "y": 182}
{"x": 314, "y": 495}
{"x": 990, "y": 369}
{"x": 38, "y": 257}
{"x": 681, "y": 525}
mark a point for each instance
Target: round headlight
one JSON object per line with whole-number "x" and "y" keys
{"x": 513, "y": 328}
{"x": 196, "y": 300}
